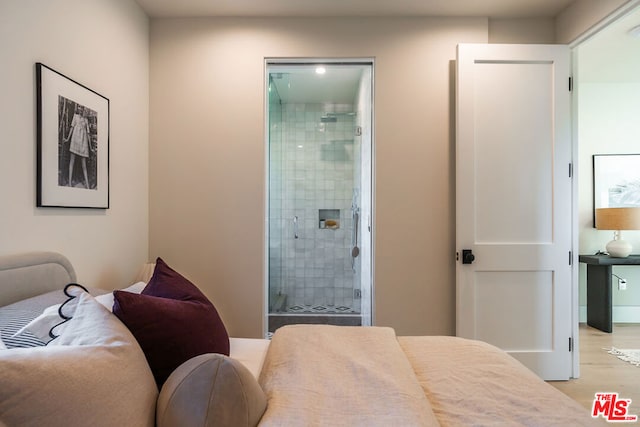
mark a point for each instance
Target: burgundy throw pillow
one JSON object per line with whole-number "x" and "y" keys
{"x": 171, "y": 320}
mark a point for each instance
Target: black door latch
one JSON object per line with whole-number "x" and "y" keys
{"x": 467, "y": 256}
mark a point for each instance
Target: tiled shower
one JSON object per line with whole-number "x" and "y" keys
{"x": 314, "y": 197}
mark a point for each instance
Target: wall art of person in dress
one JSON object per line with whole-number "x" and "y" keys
{"x": 77, "y": 145}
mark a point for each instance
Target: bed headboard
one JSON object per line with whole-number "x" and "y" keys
{"x": 30, "y": 274}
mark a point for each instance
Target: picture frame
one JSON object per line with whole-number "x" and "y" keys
{"x": 616, "y": 181}
{"x": 72, "y": 143}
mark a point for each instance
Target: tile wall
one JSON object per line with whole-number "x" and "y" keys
{"x": 311, "y": 168}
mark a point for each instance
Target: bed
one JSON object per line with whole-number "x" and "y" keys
{"x": 306, "y": 375}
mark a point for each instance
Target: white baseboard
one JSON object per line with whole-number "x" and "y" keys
{"x": 621, "y": 314}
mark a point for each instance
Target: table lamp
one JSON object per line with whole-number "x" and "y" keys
{"x": 618, "y": 219}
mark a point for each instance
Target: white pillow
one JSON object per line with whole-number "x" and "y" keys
{"x": 41, "y": 325}
{"x": 93, "y": 374}
{"x": 107, "y": 299}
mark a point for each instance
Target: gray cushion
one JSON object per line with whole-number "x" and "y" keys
{"x": 30, "y": 274}
{"x": 210, "y": 390}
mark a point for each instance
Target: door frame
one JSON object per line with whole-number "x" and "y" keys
{"x": 575, "y": 190}
{"x": 370, "y": 311}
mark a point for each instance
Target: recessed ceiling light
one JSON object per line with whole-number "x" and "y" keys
{"x": 635, "y": 32}
{"x": 321, "y": 70}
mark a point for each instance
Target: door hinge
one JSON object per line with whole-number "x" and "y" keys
{"x": 570, "y": 257}
{"x": 570, "y": 84}
{"x": 570, "y": 344}
{"x": 570, "y": 170}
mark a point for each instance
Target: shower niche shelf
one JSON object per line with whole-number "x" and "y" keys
{"x": 329, "y": 219}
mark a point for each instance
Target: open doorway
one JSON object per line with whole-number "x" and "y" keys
{"x": 608, "y": 110}
{"x": 319, "y": 149}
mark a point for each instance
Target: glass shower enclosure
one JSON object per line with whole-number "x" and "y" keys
{"x": 319, "y": 195}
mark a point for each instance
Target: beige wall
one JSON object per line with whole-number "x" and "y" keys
{"x": 208, "y": 156}
{"x": 571, "y": 24}
{"x": 582, "y": 15}
{"x": 524, "y": 30}
{"x": 207, "y": 148}
{"x": 104, "y": 45}
{"x": 207, "y": 177}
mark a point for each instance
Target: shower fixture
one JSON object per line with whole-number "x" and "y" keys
{"x": 348, "y": 113}
{"x": 328, "y": 119}
{"x": 333, "y": 117}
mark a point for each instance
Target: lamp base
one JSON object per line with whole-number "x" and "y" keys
{"x": 619, "y": 248}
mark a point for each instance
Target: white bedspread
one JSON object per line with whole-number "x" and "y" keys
{"x": 471, "y": 383}
{"x": 341, "y": 376}
{"x": 250, "y": 352}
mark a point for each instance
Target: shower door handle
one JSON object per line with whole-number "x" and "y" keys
{"x": 356, "y": 223}
{"x": 295, "y": 226}
{"x": 355, "y": 249}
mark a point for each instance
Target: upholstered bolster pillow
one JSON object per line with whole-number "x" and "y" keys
{"x": 210, "y": 390}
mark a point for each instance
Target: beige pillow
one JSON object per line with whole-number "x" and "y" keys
{"x": 93, "y": 374}
{"x": 210, "y": 390}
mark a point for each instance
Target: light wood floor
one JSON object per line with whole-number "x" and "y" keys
{"x": 602, "y": 372}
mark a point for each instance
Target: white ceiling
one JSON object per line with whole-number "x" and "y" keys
{"x": 354, "y": 8}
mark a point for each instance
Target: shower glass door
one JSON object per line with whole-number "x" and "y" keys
{"x": 319, "y": 195}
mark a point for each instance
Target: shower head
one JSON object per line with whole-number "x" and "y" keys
{"x": 332, "y": 117}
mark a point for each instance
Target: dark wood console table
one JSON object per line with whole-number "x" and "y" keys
{"x": 599, "y": 287}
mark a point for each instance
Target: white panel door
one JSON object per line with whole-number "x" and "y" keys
{"x": 513, "y": 202}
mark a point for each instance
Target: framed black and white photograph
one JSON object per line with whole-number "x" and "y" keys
{"x": 72, "y": 143}
{"x": 616, "y": 181}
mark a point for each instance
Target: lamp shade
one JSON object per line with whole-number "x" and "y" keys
{"x": 618, "y": 219}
